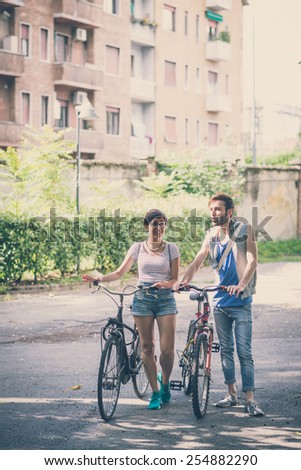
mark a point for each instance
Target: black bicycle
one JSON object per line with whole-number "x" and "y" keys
{"x": 120, "y": 358}
{"x": 195, "y": 359}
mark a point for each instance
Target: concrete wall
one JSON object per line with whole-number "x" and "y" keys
{"x": 272, "y": 201}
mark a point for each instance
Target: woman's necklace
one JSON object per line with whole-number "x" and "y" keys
{"x": 154, "y": 249}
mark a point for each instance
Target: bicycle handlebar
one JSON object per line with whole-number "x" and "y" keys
{"x": 188, "y": 287}
{"x": 122, "y": 293}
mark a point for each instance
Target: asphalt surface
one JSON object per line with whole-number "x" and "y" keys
{"x": 49, "y": 345}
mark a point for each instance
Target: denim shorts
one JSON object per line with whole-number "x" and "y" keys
{"x": 154, "y": 302}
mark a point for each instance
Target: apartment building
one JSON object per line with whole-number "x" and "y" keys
{"x": 162, "y": 75}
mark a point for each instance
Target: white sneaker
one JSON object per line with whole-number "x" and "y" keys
{"x": 228, "y": 400}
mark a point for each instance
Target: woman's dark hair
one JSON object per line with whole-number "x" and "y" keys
{"x": 227, "y": 200}
{"x": 153, "y": 214}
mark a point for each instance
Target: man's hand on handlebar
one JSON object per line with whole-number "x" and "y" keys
{"x": 180, "y": 286}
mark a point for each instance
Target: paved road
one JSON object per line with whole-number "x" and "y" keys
{"x": 50, "y": 343}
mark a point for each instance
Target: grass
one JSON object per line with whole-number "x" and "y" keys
{"x": 279, "y": 251}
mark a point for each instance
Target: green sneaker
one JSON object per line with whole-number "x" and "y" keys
{"x": 155, "y": 401}
{"x": 164, "y": 389}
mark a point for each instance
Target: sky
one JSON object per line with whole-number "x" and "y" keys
{"x": 277, "y": 52}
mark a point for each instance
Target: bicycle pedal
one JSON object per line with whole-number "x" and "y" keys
{"x": 176, "y": 385}
{"x": 215, "y": 347}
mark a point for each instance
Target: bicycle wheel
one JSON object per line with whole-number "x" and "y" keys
{"x": 109, "y": 378}
{"x": 200, "y": 378}
{"x": 186, "y": 361}
{"x": 140, "y": 380}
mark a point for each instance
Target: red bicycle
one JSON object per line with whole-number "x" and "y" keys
{"x": 195, "y": 359}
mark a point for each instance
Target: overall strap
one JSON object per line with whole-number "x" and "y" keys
{"x": 229, "y": 246}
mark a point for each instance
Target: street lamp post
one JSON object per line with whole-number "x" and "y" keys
{"x": 87, "y": 112}
{"x": 254, "y": 89}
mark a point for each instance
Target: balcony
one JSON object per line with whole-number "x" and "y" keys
{"x": 142, "y": 147}
{"x": 86, "y": 77}
{"x": 142, "y": 90}
{"x": 11, "y": 64}
{"x": 80, "y": 13}
{"x": 10, "y": 133}
{"x": 216, "y": 103}
{"x": 90, "y": 140}
{"x": 217, "y": 5}
{"x": 142, "y": 34}
{"x": 218, "y": 50}
{"x": 11, "y": 3}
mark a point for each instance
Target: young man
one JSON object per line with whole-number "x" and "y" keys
{"x": 236, "y": 269}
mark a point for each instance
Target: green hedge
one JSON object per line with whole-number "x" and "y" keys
{"x": 38, "y": 246}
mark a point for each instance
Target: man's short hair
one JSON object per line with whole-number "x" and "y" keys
{"x": 227, "y": 200}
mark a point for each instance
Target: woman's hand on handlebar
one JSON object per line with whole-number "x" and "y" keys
{"x": 89, "y": 278}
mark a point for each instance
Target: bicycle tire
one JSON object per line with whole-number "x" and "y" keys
{"x": 200, "y": 378}
{"x": 109, "y": 377}
{"x": 140, "y": 379}
{"x": 187, "y": 366}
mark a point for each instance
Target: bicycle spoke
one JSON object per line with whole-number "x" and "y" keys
{"x": 201, "y": 379}
{"x": 109, "y": 378}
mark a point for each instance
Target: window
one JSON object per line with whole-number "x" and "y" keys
{"x": 112, "y": 60}
{"x": 25, "y": 39}
{"x": 61, "y": 48}
{"x": 112, "y": 7}
{"x": 44, "y": 44}
{"x": 212, "y": 133}
{"x": 170, "y": 129}
{"x": 170, "y": 73}
{"x": 25, "y": 108}
{"x": 169, "y": 18}
{"x": 132, "y": 65}
{"x": 186, "y": 23}
{"x": 197, "y": 28}
{"x": 197, "y": 80}
{"x": 44, "y": 110}
{"x": 64, "y": 118}
{"x": 212, "y": 82}
{"x": 198, "y": 140}
{"x": 212, "y": 30}
{"x": 186, "y": 78}
{"x": 113, "y": 120}
{"x": 227, "y": 84}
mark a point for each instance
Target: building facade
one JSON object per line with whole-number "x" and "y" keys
{"x": 162, "y": 75}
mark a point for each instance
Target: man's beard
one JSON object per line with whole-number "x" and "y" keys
{"x": 220, "y": 221}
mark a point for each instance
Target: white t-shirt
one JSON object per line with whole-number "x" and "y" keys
{"x": 154, "y": 267}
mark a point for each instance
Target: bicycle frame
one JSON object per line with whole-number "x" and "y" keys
{"x": 120, "y": 358}
{"x": 202, "y": 327}
{"x": 116, "y": 326}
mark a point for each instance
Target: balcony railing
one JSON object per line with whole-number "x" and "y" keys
{"x": 218, "y": 50}
{"x": 70, "y": 75}
{"x": 216, "y": 103}
{"x": 83, "y": 14}
{"x": 11, "y": 3}
{"x": 142, "y": 90}
{"x": 142, "y": 147}
{"x": 11, "y": 64}
{"x": 10, "y": 133}
{"x": 217, "y": 5}
{"x": 142, "y": 34}
{"x": 90, "y": 140}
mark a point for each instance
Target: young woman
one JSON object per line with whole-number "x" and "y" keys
{"x": 158, "y": 268}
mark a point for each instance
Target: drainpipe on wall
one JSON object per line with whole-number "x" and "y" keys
{"x": 299, "y": 205}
